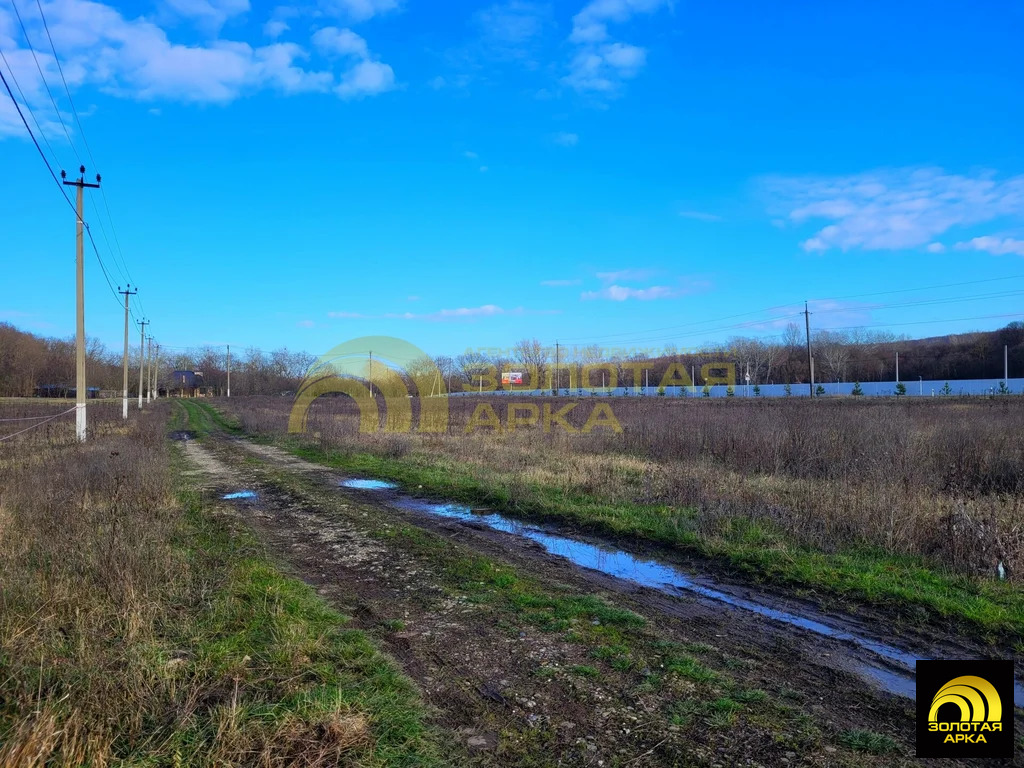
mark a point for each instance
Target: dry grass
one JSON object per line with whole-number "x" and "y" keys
{"x": 943, "y": 479}
{"x": 137, "y": 629}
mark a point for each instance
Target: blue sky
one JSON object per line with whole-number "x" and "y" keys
{"x": 463, "y": 174}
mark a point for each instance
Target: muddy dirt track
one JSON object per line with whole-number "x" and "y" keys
{"x": 512, "y": 693}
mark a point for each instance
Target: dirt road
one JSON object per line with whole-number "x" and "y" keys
{"x": 523, "y": 666}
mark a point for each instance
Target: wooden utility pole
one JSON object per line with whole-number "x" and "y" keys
{"x": 810, "y": 361}
{"x": 156, "y": 373}
{"x": 124, "y": 394}
{"x": 142, "y": 356}
{"x": 229, "y": 370}
{"x": 80, "y": 390}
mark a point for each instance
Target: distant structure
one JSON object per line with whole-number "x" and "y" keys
{"x": 187, "y": 384}
{"x": 64, "y": 391}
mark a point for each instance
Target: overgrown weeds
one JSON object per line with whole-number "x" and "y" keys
{"x": 922, "y": 502}
{"x": 135, "y": 628}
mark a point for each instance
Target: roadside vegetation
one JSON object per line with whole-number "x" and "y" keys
{"x": 137, "y": 627}
{"x": 911, "y": 504}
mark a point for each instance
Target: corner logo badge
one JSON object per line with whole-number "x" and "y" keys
{"x": 965, "y": 715}
{"x": 369, "y": 366}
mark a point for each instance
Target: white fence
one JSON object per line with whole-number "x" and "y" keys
{"x": 914, "y": 388}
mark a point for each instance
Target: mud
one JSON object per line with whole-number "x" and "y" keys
{"x": 482, "y": 677}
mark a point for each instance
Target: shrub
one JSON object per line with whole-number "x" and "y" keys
{"x": 857, "y": 391}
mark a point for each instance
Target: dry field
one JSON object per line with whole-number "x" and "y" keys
{"x": 941, "y": 479}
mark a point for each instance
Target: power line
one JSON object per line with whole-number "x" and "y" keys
{"x": 926, "y": 288}
{"x": 32, "y": 136}
{"x": 42, "y": 77}
{"x": 924, "y": 322}
{"x": 28, "y": 429}
{"x": 120, "y": 264}
{"x": 24, "y": 99}
{"x": 637, "y": 337}
{"x": 67, "y": 90}
{"x": 927, "y": 302}
{"x": 681, "y": 325}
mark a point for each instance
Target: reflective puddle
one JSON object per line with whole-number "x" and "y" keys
{"x": 240, "y": 495}
{"x": 367, "y": 485}
{"x": 894, "y": 673}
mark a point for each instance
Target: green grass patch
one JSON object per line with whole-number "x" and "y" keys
{"x": 868, "y": 741}
{"x": 288, "y": 663}
{"x": 749, "y": 546}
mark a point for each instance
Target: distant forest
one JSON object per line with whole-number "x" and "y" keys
{"x": 28, "y": 361}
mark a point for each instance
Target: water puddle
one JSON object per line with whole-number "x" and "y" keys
{"x": 240, "y": 495}
{"x": 894, "y": 671}
{"x": 367, "y": 485}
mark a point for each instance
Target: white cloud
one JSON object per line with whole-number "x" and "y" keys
{"x": 622, "y": 293}
{"x": 360, "y": 10}
{"x": 437, "y": 83}
{"x": 566, "y": 139}
{"x": 470, "y": 155}
{"x": 700, "y": 216}
{"x": 305, "y": 324}
{"x": 347, "y": 315}
{"x": 512, "y": 24}
{"x": 893, "y": 209}
{"x": 134, "y": 58}
{"x": 935, "y": 248}
{"x": 484, "y": 169}
{"x": 627, "y": 275}
{"x": 1001, "y": 246}
{"x": 341, "y": 42}
{"x": 275, "y": 28}
{"x": 603, "y": 68}
{"x": 559, "y": 283}
{"x": 590, "y": 24}
{"x": 443, "y": 315}
{"x": 365, "y": 79}
{"x": 209, "y": 13}
{"x": 600, "y": 65}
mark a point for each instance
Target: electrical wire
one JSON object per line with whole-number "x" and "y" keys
{"x": 119, "y": 263}
{"x": 35, "y": 141}
{"x": 39, "y": 127}
{"x": 926, "y": 288}
{"x": 28, "y": 429}
{"x": 923, "y": 322}
{"x": 26, "y": 418}
{"x": 42, "y": 77}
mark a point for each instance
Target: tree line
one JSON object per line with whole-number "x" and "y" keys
{"x": 29, "y": 361}
{"x": 856, "y": 355}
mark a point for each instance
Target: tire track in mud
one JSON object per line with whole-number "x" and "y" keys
{"x": 481, "y": 677}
